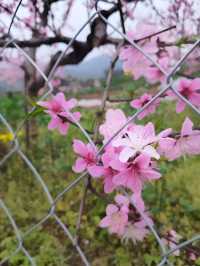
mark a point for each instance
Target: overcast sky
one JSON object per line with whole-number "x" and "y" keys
{"x": 79, "y": 16}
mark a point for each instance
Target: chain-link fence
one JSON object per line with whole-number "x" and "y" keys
{"x": 16, "y": 149}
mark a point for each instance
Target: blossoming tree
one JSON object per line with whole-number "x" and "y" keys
{"x": 128, "y": 156}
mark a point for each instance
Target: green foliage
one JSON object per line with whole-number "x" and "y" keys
{"x": 45, "y": 249}
{"x": 151, "y": 260}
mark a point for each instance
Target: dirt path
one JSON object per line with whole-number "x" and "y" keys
{"x": 89, "y": 103}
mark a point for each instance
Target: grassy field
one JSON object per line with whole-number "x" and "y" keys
{"x": 174, "y": 201}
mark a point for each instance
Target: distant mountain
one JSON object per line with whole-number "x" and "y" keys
{"x": 95, "y": 68}
{"x": 91, "y": 69}
{"x": 7, "y": 87}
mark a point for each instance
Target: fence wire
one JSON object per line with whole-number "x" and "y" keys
{"x": 17, "y": 151}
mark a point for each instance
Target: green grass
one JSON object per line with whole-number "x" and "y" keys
{"x": 174, "y": 200}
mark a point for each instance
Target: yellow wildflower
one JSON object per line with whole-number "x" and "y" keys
{"x": 6, "y": 137}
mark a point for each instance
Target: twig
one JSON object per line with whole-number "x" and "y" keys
{"x": 155, "y": 34}
{"x": 81, "y": 209}
{"x": 14, "y": 15}
{"x": 65, "y": 119}
{"x": 190, "y": 248}
{"x": 121, "y": 16}
{"x": 96, "y": 193}
{"x": 115, "y": 41}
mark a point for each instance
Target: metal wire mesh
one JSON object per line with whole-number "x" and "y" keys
{"x": 16, "y": 149}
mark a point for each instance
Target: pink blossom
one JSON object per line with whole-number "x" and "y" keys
{"x": 109, "y": 158}
{"x": 164, "y": 134}
{"x": 11, "y": 71}
{"x": 123, "y": 202}
{"x": 192, "y": 256}
{"x": 166, "y": 148}
{"x": 90, "y": 4}
{"x": 133, "y": 175}
{"x": 188, "y": 143}
{"x": 108, "y": 174}
{"x": 138, "y": 139}
{"x": 146, "y": 28}
{"x": 134, "y": 61}
{"x": 138, "y": 201}
{"x": 144, "y": 99}
{"x": 87, "y": 159}
{"x": 190, "y": 89}
{"x": 128, "y": 11}
{"x": 60, "y": 112}
{"x": 115, "y": 119}
{"x": 135, "y": 232}
{"x": 116, "y": 216}
{"x": 154, "y": 74}
{"x": 56, "y": 82}
{"x": 172, "y": 240}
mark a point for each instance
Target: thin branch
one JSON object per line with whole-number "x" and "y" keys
{"x": 65, "y": 119}
{"x": 81, "y": 209}
{"x": 14, "y": 15}
{"x": 96, "y": 193}
{"x": 117, "y": 41}
{"x": 36, "y": 42}
{"x": 190, "y": 248}
{"x": 121, "y": 16}
{"x": 155, "y": 34}
{"x": 10, "y": 12}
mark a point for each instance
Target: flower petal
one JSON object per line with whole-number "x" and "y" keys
{"x": 121, "y": 199}
{"x": 80, "y": 165}
{"x": 67, "y": 105}
{"x": 186, "y": 127}
{"x": 53, "y": 123}
{"x": 80, "y": 148}
{"x": 95, "y": 170}
{"x": 180, "y": 106}
{"x": 63, "y": 128}
{"x": 151, "y": 152}
{"x": 105, "y": 222}
{"x": 138, "y": 201}
{"x": 126, "y": 153}
{"x": 111, "y": 208}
